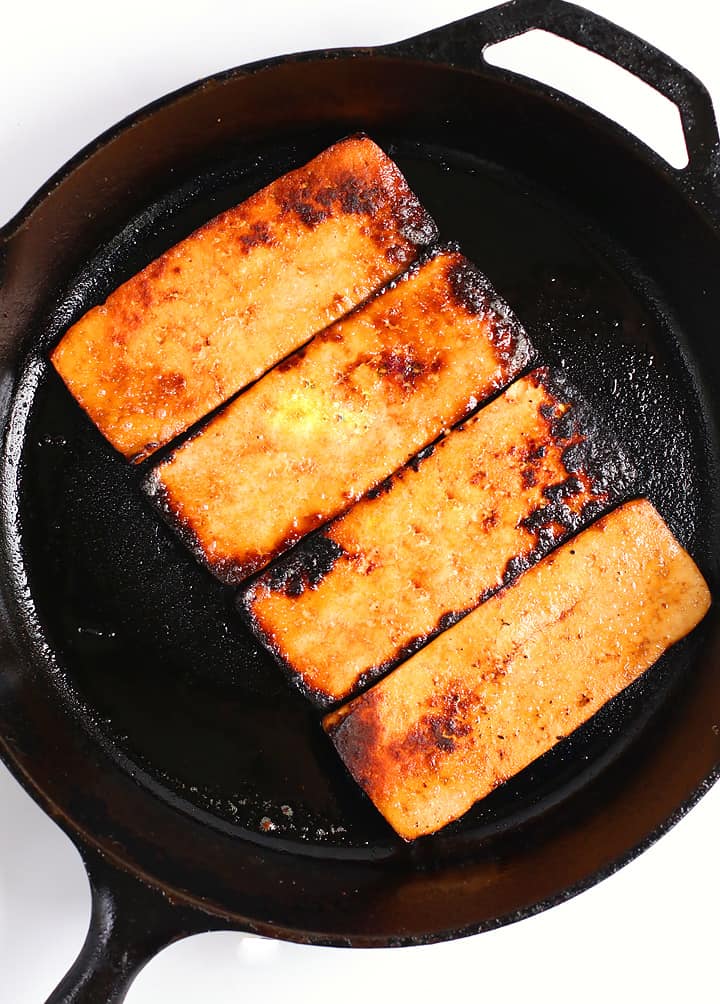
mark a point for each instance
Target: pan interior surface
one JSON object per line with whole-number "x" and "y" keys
{"x": 146, "y": 649}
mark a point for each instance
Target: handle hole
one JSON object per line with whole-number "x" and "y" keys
{"x": 599, "y": 83}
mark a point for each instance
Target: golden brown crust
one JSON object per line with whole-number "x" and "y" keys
{"x": 441, "y": 536}
{"x": 522, "y": 671}
{"x": 219, "y": 309}
{"x": 337, "y": 417}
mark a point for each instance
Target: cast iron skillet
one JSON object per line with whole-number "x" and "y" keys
{"x": 198, "y": 787}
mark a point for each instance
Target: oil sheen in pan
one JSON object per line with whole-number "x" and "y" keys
{"x": 151, "y": 643}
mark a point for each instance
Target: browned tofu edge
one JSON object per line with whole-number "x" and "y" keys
{"x": 472, "y": 292}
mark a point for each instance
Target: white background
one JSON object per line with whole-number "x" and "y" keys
{"x": 70, "y": 69}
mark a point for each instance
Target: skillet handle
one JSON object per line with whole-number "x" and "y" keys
{"x": 462, "y": 43}
{"x": 130, "y": 923}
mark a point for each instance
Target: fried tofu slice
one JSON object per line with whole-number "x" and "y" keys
{"x": 521, "y": 672}
{"x": 336, "y": 418}
{"x": 436, "y": 539}
{"x": 219, "y": 309}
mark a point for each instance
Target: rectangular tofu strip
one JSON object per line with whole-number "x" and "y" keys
{"x": 219, "y": 309}
{"x": 499, "y": 689}
{"x": 433, "y": 541}
{"x": 339, "y": 416}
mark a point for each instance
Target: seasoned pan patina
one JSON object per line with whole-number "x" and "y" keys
{"x": 219, "y": 309}
{"x": 521, "y": 672}
{"x": 436, "y": 539}
{"x": 335, "y": 419}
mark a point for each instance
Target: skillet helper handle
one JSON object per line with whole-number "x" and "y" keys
{"x": 129, "y": 924}
{"x": 462, "y": 43}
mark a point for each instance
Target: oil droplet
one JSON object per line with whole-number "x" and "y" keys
{"x": 96, "y": 632}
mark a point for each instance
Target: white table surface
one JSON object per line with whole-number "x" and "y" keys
{"x": 68, "y": 70}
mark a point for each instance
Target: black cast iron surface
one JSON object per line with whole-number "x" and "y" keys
{"x": 151, "y": 643}
{"x": 138, "y": 708}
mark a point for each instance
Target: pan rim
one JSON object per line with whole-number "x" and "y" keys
{"x": 322, "y": 939}
{"x": 386, "y": 50}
